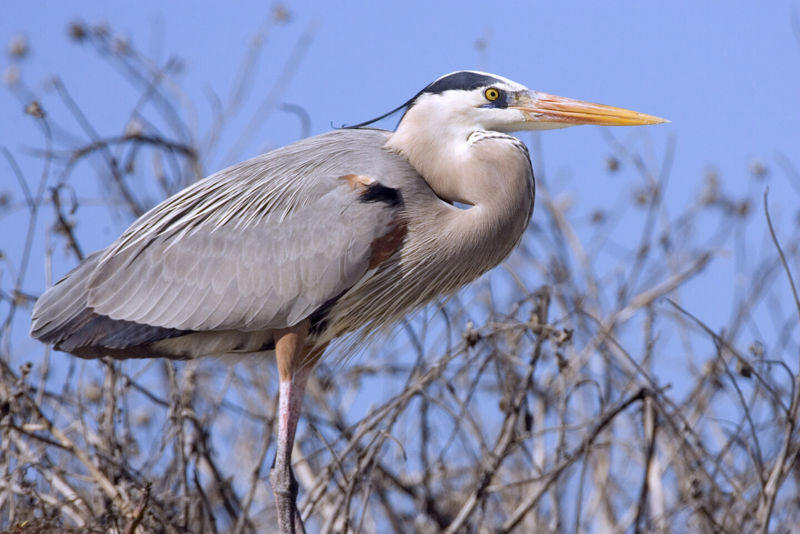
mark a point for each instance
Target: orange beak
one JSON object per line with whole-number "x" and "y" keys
{"x": 559, "y": 111}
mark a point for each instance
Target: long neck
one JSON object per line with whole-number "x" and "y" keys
{"x": 446, "y": 247}
{"x": 490, "y": 172}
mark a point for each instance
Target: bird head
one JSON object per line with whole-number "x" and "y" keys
{"x": 477, "y": 100}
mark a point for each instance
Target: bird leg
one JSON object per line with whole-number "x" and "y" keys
{"x": 294, "y": 372}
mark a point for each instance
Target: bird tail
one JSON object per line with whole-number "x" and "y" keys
{"x": 63, "y": 318}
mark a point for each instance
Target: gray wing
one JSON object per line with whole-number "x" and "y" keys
{"x": 245, "y": 266}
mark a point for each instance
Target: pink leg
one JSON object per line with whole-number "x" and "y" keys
{"x": 293, "y": 370}
{"x": 284, "y": 485}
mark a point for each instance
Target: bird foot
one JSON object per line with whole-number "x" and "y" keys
{"x": 285, "y": 488}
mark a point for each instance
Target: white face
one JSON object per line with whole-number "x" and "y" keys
{"x": 466, "y": 101}
{"x": 488, "y": 107}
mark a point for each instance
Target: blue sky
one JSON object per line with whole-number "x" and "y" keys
{"x": 727, "y": 77}
{"x": 723, "y": 76}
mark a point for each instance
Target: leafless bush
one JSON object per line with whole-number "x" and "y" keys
{"x": 570, "y": 391}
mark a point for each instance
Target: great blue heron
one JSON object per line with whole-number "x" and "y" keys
{"x": 347, "y": 231}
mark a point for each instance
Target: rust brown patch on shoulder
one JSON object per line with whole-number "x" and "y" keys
{"x": 357, "y": 181}
{"x": 384, "y": 246}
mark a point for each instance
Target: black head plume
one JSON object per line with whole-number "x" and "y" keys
{"x": 463, "y": 80}
{"x": 409, "y": 103}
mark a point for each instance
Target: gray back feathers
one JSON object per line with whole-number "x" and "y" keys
{"x": 260, "y": 245}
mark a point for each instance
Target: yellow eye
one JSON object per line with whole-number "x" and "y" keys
{"x": 491, "y": 94}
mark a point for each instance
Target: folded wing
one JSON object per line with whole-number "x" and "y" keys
{"x": 247, "y": 273}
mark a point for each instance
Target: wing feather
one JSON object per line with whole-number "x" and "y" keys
{"x": 260, "y": 245}
{"x": 267, "y": 272}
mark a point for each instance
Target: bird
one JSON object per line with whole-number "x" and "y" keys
{"x": 343, "y": 233}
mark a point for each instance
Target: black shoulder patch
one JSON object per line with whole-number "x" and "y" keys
{"x": 463, "y": 80}
{"x": 377, "y": 192}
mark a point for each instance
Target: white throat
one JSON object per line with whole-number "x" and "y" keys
{"x": 438, "y": 148}
{"x": 460, "y": 161}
